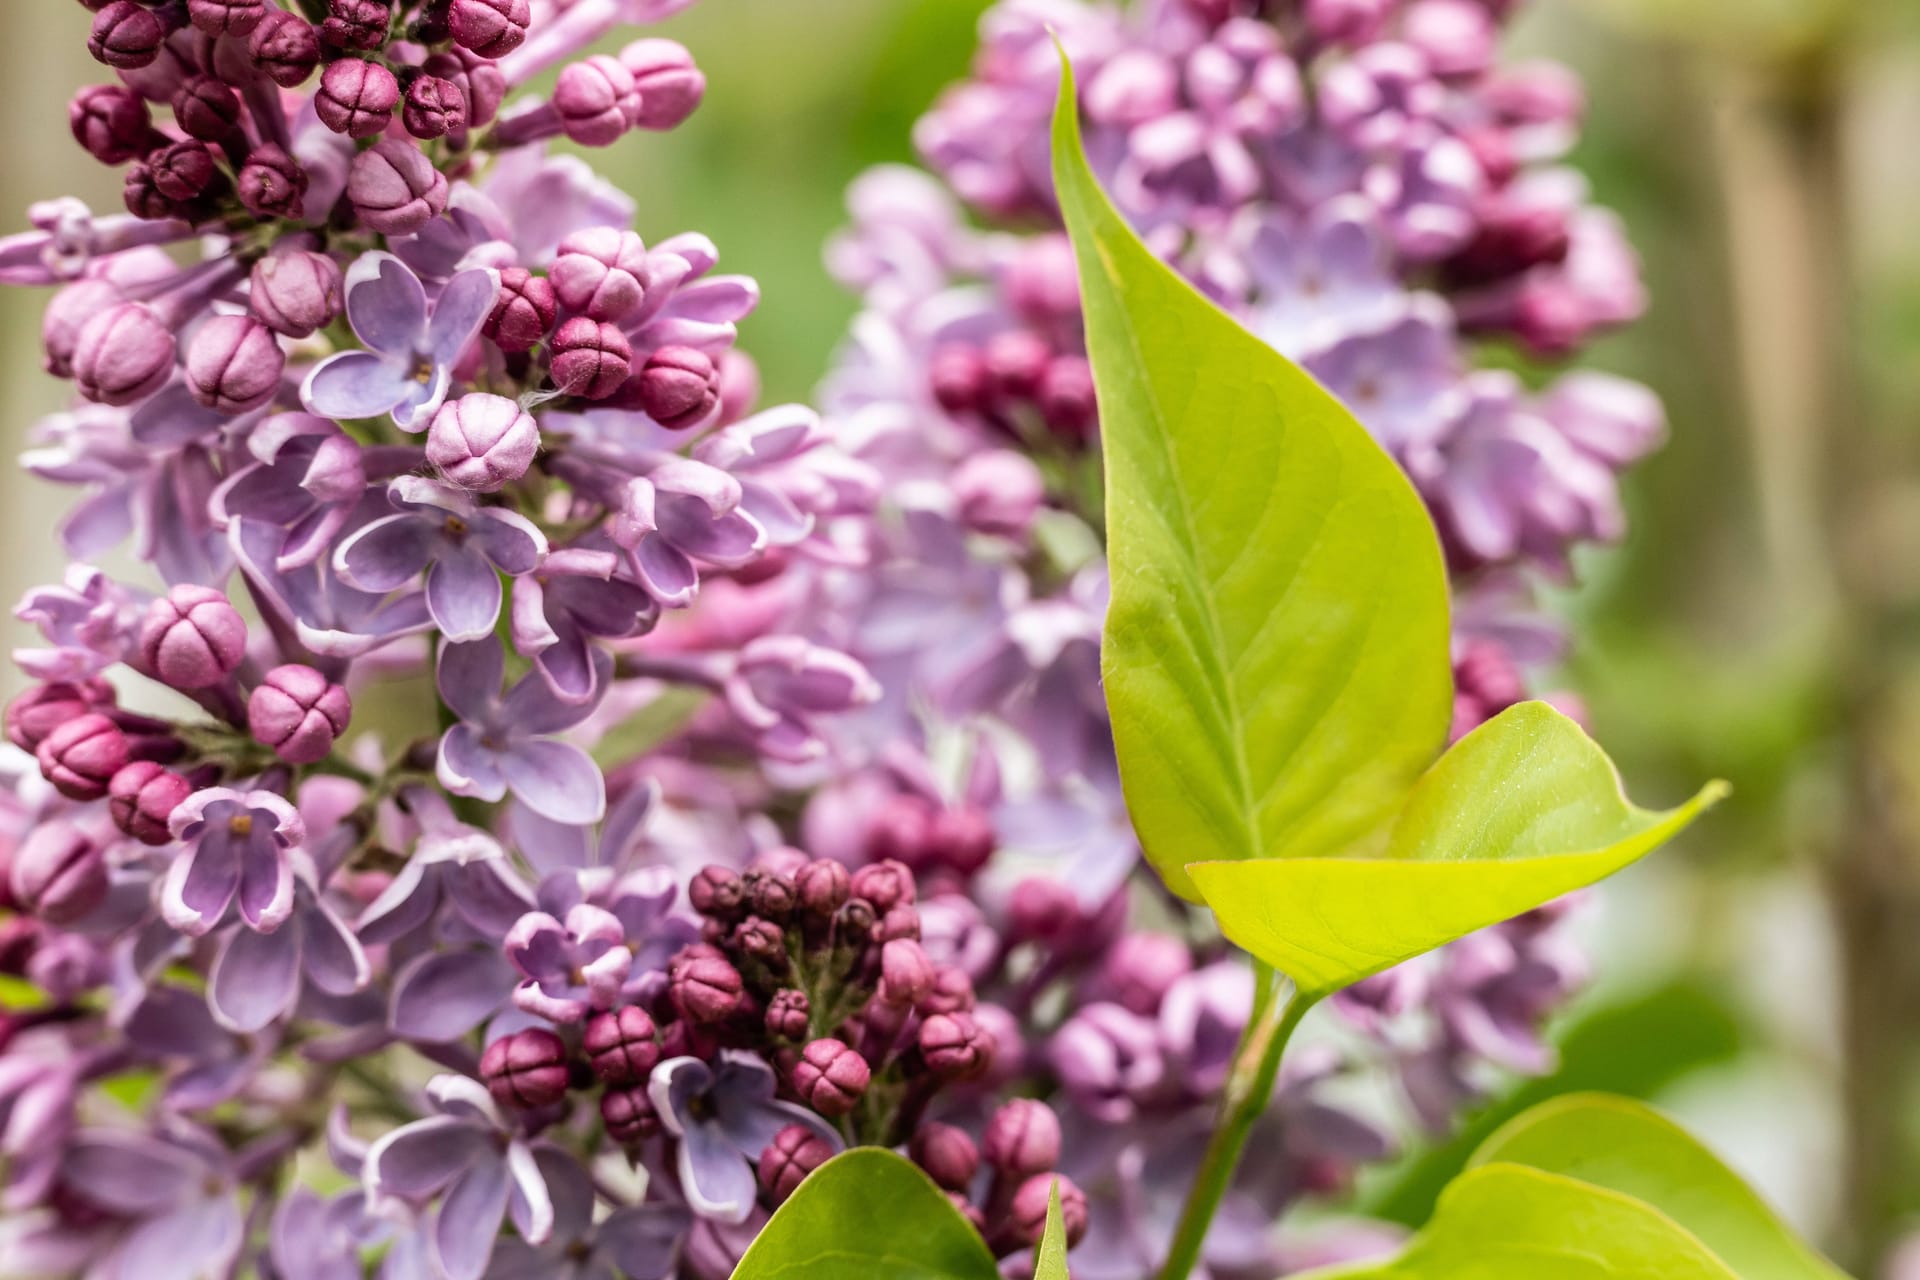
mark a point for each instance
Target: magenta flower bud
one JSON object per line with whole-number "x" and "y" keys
{"x": 1066, "y": 396}
{"x": 356, "y": 97}
{"x": 234, "y": 364}
{"x": 395, "y": 189}
{"x": 854, "y": 923}
{"x": 761, "y": 939}
{"x": 789, "y": 1015}
{"x": 679, "y": 387}
{"x": 434, "y": 107}
{"x": 670, "y": 85}
{"x": 961, "y": 839}
{"x": 718, "y": 892}
{"x": 192, "y": 637}
{"x": 81, "y": 756}
{"x": 1140, "y": 968}
{"x": 906, "y": 975}
{"x": 704, "y": 987}
{"x": 597, "y": 101}
{"x": 482, "y": 441}
{"x": 482, "y": 86}
{"x": 590, "y": 358}
{"x": 285, "y": 48}
{"x": 947, "y": 1154}
{"x": 226, "y": 17}
{"x": 957, "y": 377}
{"x": 123, "y": 355}
{"x": 143, "y": 198}
{"x": 999, "y": 491}
{"x": 66, "y": 315}
{"x": 126, "y": 36}
{"x": 885, "y": 884}
{"x": 955, "y": 1046}
{"x": 795, "y": 1152}
{"x": 490, "y": 28}
{"x": 601, "y": 273}
{"x": 1015, "y": 363}
{"x": 770, "y": 894}
{"x": 142, "y": 796}
{"x": 57, "y": 874}
{"x": 622, "y": 1045}
{"x": 42, "y": 708}
{"x": 901, "y": 922}
{"x": 527, "y": 1069}
{"x": 299, "y": 713}
{"x": 1027, "y": 1217}
{"x": 629, "y": 1115}
{"x": 830, "y": 1077}
{"x": 1042, "y": 909}
{"x": 111, "y": 121}
{"x": 951, "y": 992}
{"x": 1023, "y": 1138}
{"x": 206, "y": 108}
{"x": 523, "y": 312}
{"x": 185, "y": 171}
{"x": 356, "y": 25}
{"x": 822, "y": 887}
{"x": 295, "y": 291}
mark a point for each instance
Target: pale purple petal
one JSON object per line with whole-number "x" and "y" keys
{"x": 332, "y": 957}
{"x": 386, "y": 304}
{"x": 355, "y": 384}
{"x": 130, "y": 1173}
{"x": 387, "y": 554}
{"x": 463, "y": 594}
{"x": 531, "y": 1204}
{"x": 266, "y": 883}
{"x": 255, "y": 978}
{"x": 416, "y": 1160}
{"x": 459, "y": 312}
{"x": 509, "y": 539}
{"x": 468, "y": 767}
{"x": 444, "y": 995}
{"x": 556, "y": 780}
{"x": 665, "y": 571}
{"x": 198, "y": 1239}
{"x": 469, "y": 1218}
{"x": 201, "y": 883}
{"x": 716, "y": 300}
{"x": 533, "y": 708}
{"x": 644, "y": 1242}
{"x": 716, "y": 1178}
{"x": 469, "y": 678}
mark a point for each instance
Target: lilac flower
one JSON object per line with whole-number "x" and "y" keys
{"x": 1401, "y": 381}
{"x": 570, "y": 969}
{"x": 89, "y": 622}
{"x": 503, "y": 744}
{"x": 411, "y": 347}
{"x": 723, "y": 1116}
{"x": 324, "y": 614}
{"x": 256, "y": 977}
{"x": 39, "y": 1083}
{"x": 566, "y": 604}
{"x": 462, "y": 546}
{"x": 782, "y": 684}
{"x": 177, "y": 1190}
{"x": 1319, "y": 278}
{"x": 238, "y": 842}
{"x": 680, "y": 515}
{"x": 308, "y": 480}
{"x": 639, "y": 1242}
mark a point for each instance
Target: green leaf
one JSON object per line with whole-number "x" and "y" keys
{"x": 1522, "y": 810}
{"x": 1276, "y": 651}
{"x": 868, "y": 1212}
{"x": 1506, "y": 1222}
{"x": 1626, "y": 1147}
{"x": 1051, "y": 1262}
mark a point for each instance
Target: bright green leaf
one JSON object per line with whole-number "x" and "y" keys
{"x": 1051, "y": 1263}
{"x": 1505, "y": 1222}
{"x": 1522, "y": 810}
{"x": 1276, "y": 655}
{"x": 868, "y": 1213}
{"x": 1621, "y": 1145}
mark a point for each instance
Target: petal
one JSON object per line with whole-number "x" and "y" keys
{"x": 445, "y": 994}
{"x": 386, "y": 304}
{"x": 533, "y": 708}
{"x": 255, "y": 979}
{"x": 549, "y": 846}
{"x": 403, "y": 906}
{"x": 130, "y": 1173}
{"x": 540, "y": 947}
{"x": 354, "y": 384}
{"x": 556, "y": 780}
{"x": 469, "y": 677}
{"x": 469, "y": 1219}
{"x": 531, "y": 1204}
{"x": 716, "y": 300}
{"x": 198, "y": 1239}
{"x": 716, "y": 1178}
{"x": 201, "y": 883}
{"x": 509, "y": 539}
{"x": 673, "y": 1086}
{"x": 644, "y": 1242}
{"x": 665, "y": 571}
{"x": 416, "y": 1160}
{"x": 467, "y": 766}
{"x": 489, "y": 895}
{"x": 333, "y": 958}
{"x": 266, "y": 883}
{"x": 459, "y": 312}
{"x": 387, "y": 554}
{"x": 463, "y": 594}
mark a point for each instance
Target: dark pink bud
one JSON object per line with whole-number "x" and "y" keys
{"x": 185, "y": 171}
{"x": 123, "y": 355}
{"x": 227, "y": 17}
{"x": 144, "y": 199}
{"x": 590, "y": 358}
{"x": 789, "y": 1015}
{"x": 356, "y": 97}
{"x": 955, "y": 1046}
{"x": 854, "y": 923}
{"x": 670, "y": 85}
{"x": 81, "y": 756}
{"x": 795, "y": 1152}
{"x": 961, "y": 839}
{"x": 886, "y": 885}
{"x": 601, "y": 273}
{"x": 597, "y": 101}
{"x": 285, "y": 48}
{"x": 526, "y": 1069}
{"x": 899, "y": 830}
{"x": 142, "y": 796}
{"x": 490, "y": 28}
{"x": 111, "y": 122}
{"x": 1027, "y": 1218}
{"x": 395, "y": 189}
{"x": 356, "y": 25}
{"x": 1066, "y": 396}
{"x": 623, "y": 1045}
{"x": 628, "y": 1114}
{"x": 299, "y": 713}
{"x": 1140, "y": 968}
{"x": 523, "y": 312}
{"x": 1000, "y": 491}
{"x": 295, "y": 291}
{"x": 679, "y": 387}
{"x": 822, "y": 887}
{"x": 206, "y": 108}
{"x": 192, "y": 637}
{"x": 901, "y": 922}
{"x": 57, "y": 874}
{"x": 1015, "y": 363}
{"x": 1042, "y": 909}
{"x": 125, "y": 35}
{"x": 42, "y": 708}
{"x": 771, "y": 895}
{"x": 947, "y": 1154}
{"x": 718, "y": 892}
{"x": 482, "y": 441}
{"x": 906, "y": 975}
{"x": 704, "y": 987}
{"x": 952, "y": 992}
{"x": 482, "y": 86}
{"x": 957, "y": 376}
{"x": 761, "y": 939}
{"x": 1023, "y": 1138}
{"x": 66, "y": 314}
{"x": 234, "y": 364}
{"x": 830, "y": 1077}
{"x": 434, "y": 107}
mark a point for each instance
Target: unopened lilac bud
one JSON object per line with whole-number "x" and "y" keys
{"x": 234, "y": 364}
{"x": 523, "y": 311}
{"x": 42, "y": 708}
{"x": 356, "y": 97}
{"x": 821, "y": 887}
{"x": 705, "y": 988}
{"x": 718, "y": 892}
{"x": 206, "y": 108}
{"x": 951, "y": 992}
{"x": 590, "y": 358}
{"x": 126, "y": 35}
{"x": 434, "y": 107}
{"x": 670, "y": 85}
{"x": 855, "y": 922}
{"x": 679, "y": 387}
{"x": 830, "y": 1077}
{"x": 629, "y": 1115}
{"x": 299, "y": 713}
{"x": 1027, "y": 1216}
{"x": 789, "y": 1014}
{"x": 761, "y": 939}
{"x": 955, "y": 1046}
{"x": 1346, "y": 21}
{"x": 185, "y": 171}
{"x": 527, "y": 1069}
{"x": 395, "y": 189}
{"x": 482, "y": 441}
{"x": 1043, "y": 909}
{"x": 597, "y": 101}
{"x": 481, "y": 84}
{"x": 1140, "y": 968}
{"x": 1023, "y": 1138}
{"x": 901, "y": 922}
{"x": 1015, "y": 363}
{"x": 906, "y": 975}
{"x": 111, "y": 121}
{"x": 947, "y": 1154}
{"x": 227, "y": 17}
{"x": 601, "y": 273}
{"x": 123, "y": 355}
{"x": 81, "y": 756}
{"x": 771, "y": 895}
{"x": 886, "y": 885}
{"x": 285, "y": 48}
{"x": 957, "y": 376}
{"x": 57, "y": 874}
{"x": 144, "y": 199}
{"x": 961, "y": 839}
{"x": 622, "y": 1045}
{"x": 795, "y": 1152}
{"x": 490, "y": 28}
{"x": 1066, "y": 396}
{"x": 192, "y": 637}
{"x": 999, "y": 492}
{"x": 66, "y": 314}
{"x": 295, "y": 291}
{"x": 142, "y": 796}
{"x": 359, "y": 25}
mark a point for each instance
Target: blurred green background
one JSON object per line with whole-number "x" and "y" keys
{"x": 1761, "y": 623}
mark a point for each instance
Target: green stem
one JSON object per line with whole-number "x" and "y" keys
{"x": 1256, "y": 1066}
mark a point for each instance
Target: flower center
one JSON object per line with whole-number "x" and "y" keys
{"x": 455, "y": 527}
{"x": 240, "y": 824}
{"x": 422, "y": 371}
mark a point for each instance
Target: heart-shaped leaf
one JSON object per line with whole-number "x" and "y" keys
{"x": 868, "y": 1212}
{"x": 1522, "y": 810}
{"x": 1625, "y": 1147}
{"x": 1051, "y": 1262}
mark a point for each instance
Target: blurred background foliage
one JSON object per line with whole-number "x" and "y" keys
{"x": 1761, "y": 623}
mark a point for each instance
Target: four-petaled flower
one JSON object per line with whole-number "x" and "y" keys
{"x": 571, "y": 969}
{"x": 503, "y": 743}
{"x": 237, "y": 845}
{"x": 723, "y": 1117}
